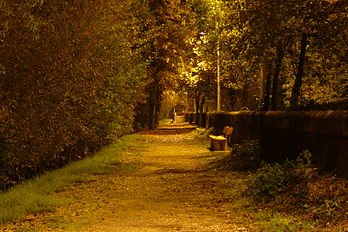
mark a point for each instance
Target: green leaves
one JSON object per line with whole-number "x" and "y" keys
{"x": 272, "y": 179}
{"x": 70, "y": 75}
{"x": 267, "y": 33}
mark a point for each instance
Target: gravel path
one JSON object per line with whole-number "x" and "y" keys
{"x": 163, "y": 185}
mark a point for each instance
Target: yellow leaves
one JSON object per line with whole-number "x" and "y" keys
{"x": 53, "y": 72}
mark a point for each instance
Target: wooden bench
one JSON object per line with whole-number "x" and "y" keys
{"x": 219, "y": 143}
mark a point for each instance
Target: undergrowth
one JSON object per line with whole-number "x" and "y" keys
{"x": 296, "y": 188}
{"x": 289, "y": 196}
{"x": 271, "y": 179}
{"x": 245, "y": 160}
{"x": 243, "y": 157}
{"x": 271, "y": 221}
{"x": 32, "y": 196}
{"x": 246, "y": 156}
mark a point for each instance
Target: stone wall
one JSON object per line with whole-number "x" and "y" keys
{"x": 285, "y": 135}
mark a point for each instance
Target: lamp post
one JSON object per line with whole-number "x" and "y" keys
{"x": 218, "y": 87}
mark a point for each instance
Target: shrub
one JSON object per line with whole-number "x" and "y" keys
{"x": 272, "y": 179}
{"x": 295, "y": 186}
{"x": 246, "y": 156}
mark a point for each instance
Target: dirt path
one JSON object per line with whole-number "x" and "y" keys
{"x": 164, "y": 185}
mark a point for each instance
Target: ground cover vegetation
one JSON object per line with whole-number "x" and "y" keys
{"x": 303, "y": 198}
{"x": 36, "y": 195}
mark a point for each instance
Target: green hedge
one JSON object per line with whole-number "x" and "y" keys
{"x": 70, "y": 75}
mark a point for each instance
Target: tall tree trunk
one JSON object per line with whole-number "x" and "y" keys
{"x": 155, "y": 100}
{"x": 295, "y": 95}
{"x": 267, "y": 94}
{"x": 154, "y": 104}
{"x": 262, "y": 85}
{"x": 197, "y": 102}
{"x": 201, "y": 110}
{"x": 278, "y": 66}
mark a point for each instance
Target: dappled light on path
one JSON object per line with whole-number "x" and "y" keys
{"x": 170, "y": 191}
{"x": 163, "y": 184}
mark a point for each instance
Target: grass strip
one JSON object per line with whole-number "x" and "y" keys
{"x": 32, "y": 196}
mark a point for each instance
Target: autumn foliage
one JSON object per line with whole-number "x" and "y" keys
{"x": 70, "y": 75}
{"x": 273, "y": 54}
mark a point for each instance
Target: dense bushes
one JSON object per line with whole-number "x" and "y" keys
{"x": 244, "y": 157}
{"x": 271, "y": 178}
{"x": 70, "y": 75}
{"x": 295, "y": 186}
{"x": 291, "y": 187}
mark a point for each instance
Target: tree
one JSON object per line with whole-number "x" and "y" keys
{"x": 71, "y": 74}
{"x": 167, "y": 48}
{"x": 202, "y": 76}
{"x": 277, "y": 34}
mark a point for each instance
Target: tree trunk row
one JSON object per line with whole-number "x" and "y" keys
{"x": 270, "y": 100}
